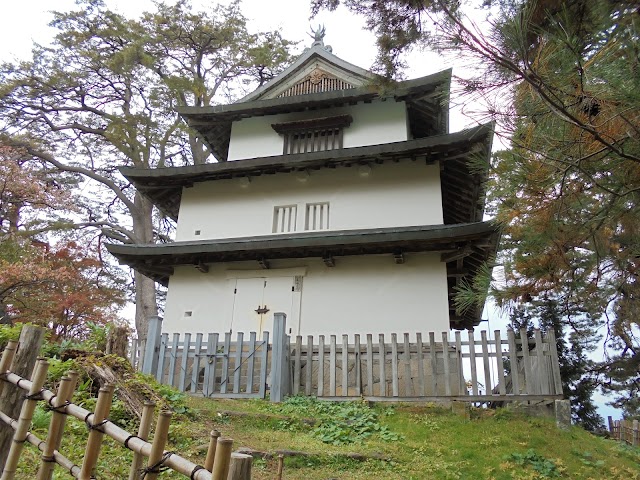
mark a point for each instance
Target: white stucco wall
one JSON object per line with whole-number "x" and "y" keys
{"x": 393, "y": 194}
{"x": 373, "y": 123}
{"x": 364, "y": 294}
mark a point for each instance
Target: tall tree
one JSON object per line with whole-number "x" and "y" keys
{"x": 562, "y": 80}
{"x": 103, "y": 95}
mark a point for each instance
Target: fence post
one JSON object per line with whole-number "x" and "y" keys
{"x": 152, "y": 347}
{"x": 635, "y": 440}
{"x": 279, "y": 364}
{"x": 31, "y": 338}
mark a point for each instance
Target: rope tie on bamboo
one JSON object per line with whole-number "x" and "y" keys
{"x": 59, "y": 409}
{"x": 35, "y": 395}
{"x": 126, "y": 442}
{"x": 156, "y": 467}
{"x": 94, "y": 426}
{"x": 195, "y": 470}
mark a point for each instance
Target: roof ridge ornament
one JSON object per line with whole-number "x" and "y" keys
{"x": 318, "y": 38}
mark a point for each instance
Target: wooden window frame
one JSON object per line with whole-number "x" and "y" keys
{"x": 313, "y": 135}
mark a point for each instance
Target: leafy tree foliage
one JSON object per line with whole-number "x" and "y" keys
{"x": 562, "y": 80}
{"x": 62, "y": 286}
{"x": 104, "y": 93}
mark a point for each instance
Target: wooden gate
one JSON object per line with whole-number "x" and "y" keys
{"x": 217, "y": 367}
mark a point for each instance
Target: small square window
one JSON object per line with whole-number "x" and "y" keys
{"x": 317, "y": 216}
{"x": 284, "y": 218}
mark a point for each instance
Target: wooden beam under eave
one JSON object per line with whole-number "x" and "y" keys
{"x": 202, "y": 267}
{"x": 455, "y": 273}
{"x": 264, "y": 263}
{"x": 398, "y": 257}
{"x": 457, "y": 255}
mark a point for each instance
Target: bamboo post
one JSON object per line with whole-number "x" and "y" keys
{"x": 143, "y": 433}
{"x": 92, "y": 451}
{"x": 157, "y": 455}
{"x": 222, "y": 459}
{"x": 240, "y": 467}
{"x": 24, "y": 360}
{"x": 56, "y": 427}
{"x": 211, "y": 451}
{"x": 24, "y": 422}
{"x": 280, "y": 466}
{"x": 5, "y": 362}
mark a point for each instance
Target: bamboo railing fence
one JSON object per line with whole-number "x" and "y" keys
{"x": 220, "y": 464}
{"x": 626, "y": 431}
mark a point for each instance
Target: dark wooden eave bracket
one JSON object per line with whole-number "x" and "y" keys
{"x": 457, "y": 254}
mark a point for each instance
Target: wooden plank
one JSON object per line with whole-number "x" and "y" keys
{"x": 345, "y": 364}
{"x": 526, "y": 359}
{"x": 408, "y": 381}
{"x": 172, "y": 359}
{"x": 394, "y": 365}
{"x": 207, "y": 388}
{"x": 488, "y": 384}
{"x": 237, "y": 370}
{"x": 447, "y": 366}
{"x": 308, "y": 369}
{"x": 182, "y": 385}
{"x": 382, "y": 353}
{"x": 500, "y": 363}
{"x": 356, "y": 359}
{"x": 332, "y": 366}
{"x": 251, "y": 362}
{"x": 472, "y": 359}
{"x": 369, "y": 364}
{"x": 297, "y": 367}
{"x": 224, "y": 376}
{"x": 264, "y": 365}
{"x": 434, "y": 362}
{"x": 420, "y": 354}
{"x": 321, "y": 365}
{"x": 463, "y": 383}
{"x": 513, "y": 358}
{"x": 543, "y": 384}
{"x": 164, "y": 341}
{"x": 555, "y": 363}
{"x": 195, "y": 366}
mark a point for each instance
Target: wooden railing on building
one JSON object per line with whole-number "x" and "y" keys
{"x": 221, "y": 463}
{"x": 408, "y": 368}
{"x": 625, "y": 431}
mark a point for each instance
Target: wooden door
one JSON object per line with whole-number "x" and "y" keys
{"x": 255, "y": 300}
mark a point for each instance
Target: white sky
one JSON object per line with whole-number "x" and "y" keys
{"x": 24, "y": 22}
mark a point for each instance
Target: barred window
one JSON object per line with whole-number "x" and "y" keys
{"x": 315, "y": 135}
{"x": 317, "y": 216}
{"x": 284, "y": 218}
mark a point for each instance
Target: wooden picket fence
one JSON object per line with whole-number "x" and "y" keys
{"x": 410, "y": 368}
{"x": 220, "y": 463}
{"x": 625, "y": 431}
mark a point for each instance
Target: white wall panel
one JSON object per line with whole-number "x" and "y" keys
{"x": 393, "y": 194}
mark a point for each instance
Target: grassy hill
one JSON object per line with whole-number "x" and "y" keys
{"x": 356, "y": 441}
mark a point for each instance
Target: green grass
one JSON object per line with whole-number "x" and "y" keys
{"x": 404, "y": 441}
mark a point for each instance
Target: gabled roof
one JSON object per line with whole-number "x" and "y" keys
{"x": 427, "y": 106}
{"x": 316, "y": 57}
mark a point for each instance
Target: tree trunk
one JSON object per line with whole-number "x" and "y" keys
{"x": 145, "y": 298}
{"x": 117, "y": 341}
{"x": 31, "y": 339}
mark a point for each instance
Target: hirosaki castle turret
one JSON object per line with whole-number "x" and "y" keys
{"x": 348, "y": 206}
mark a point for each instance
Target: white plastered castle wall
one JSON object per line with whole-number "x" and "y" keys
{"x": 391, "y": 195}
{"x": 363, "y": 294}
{"x": 373, "y": 123}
